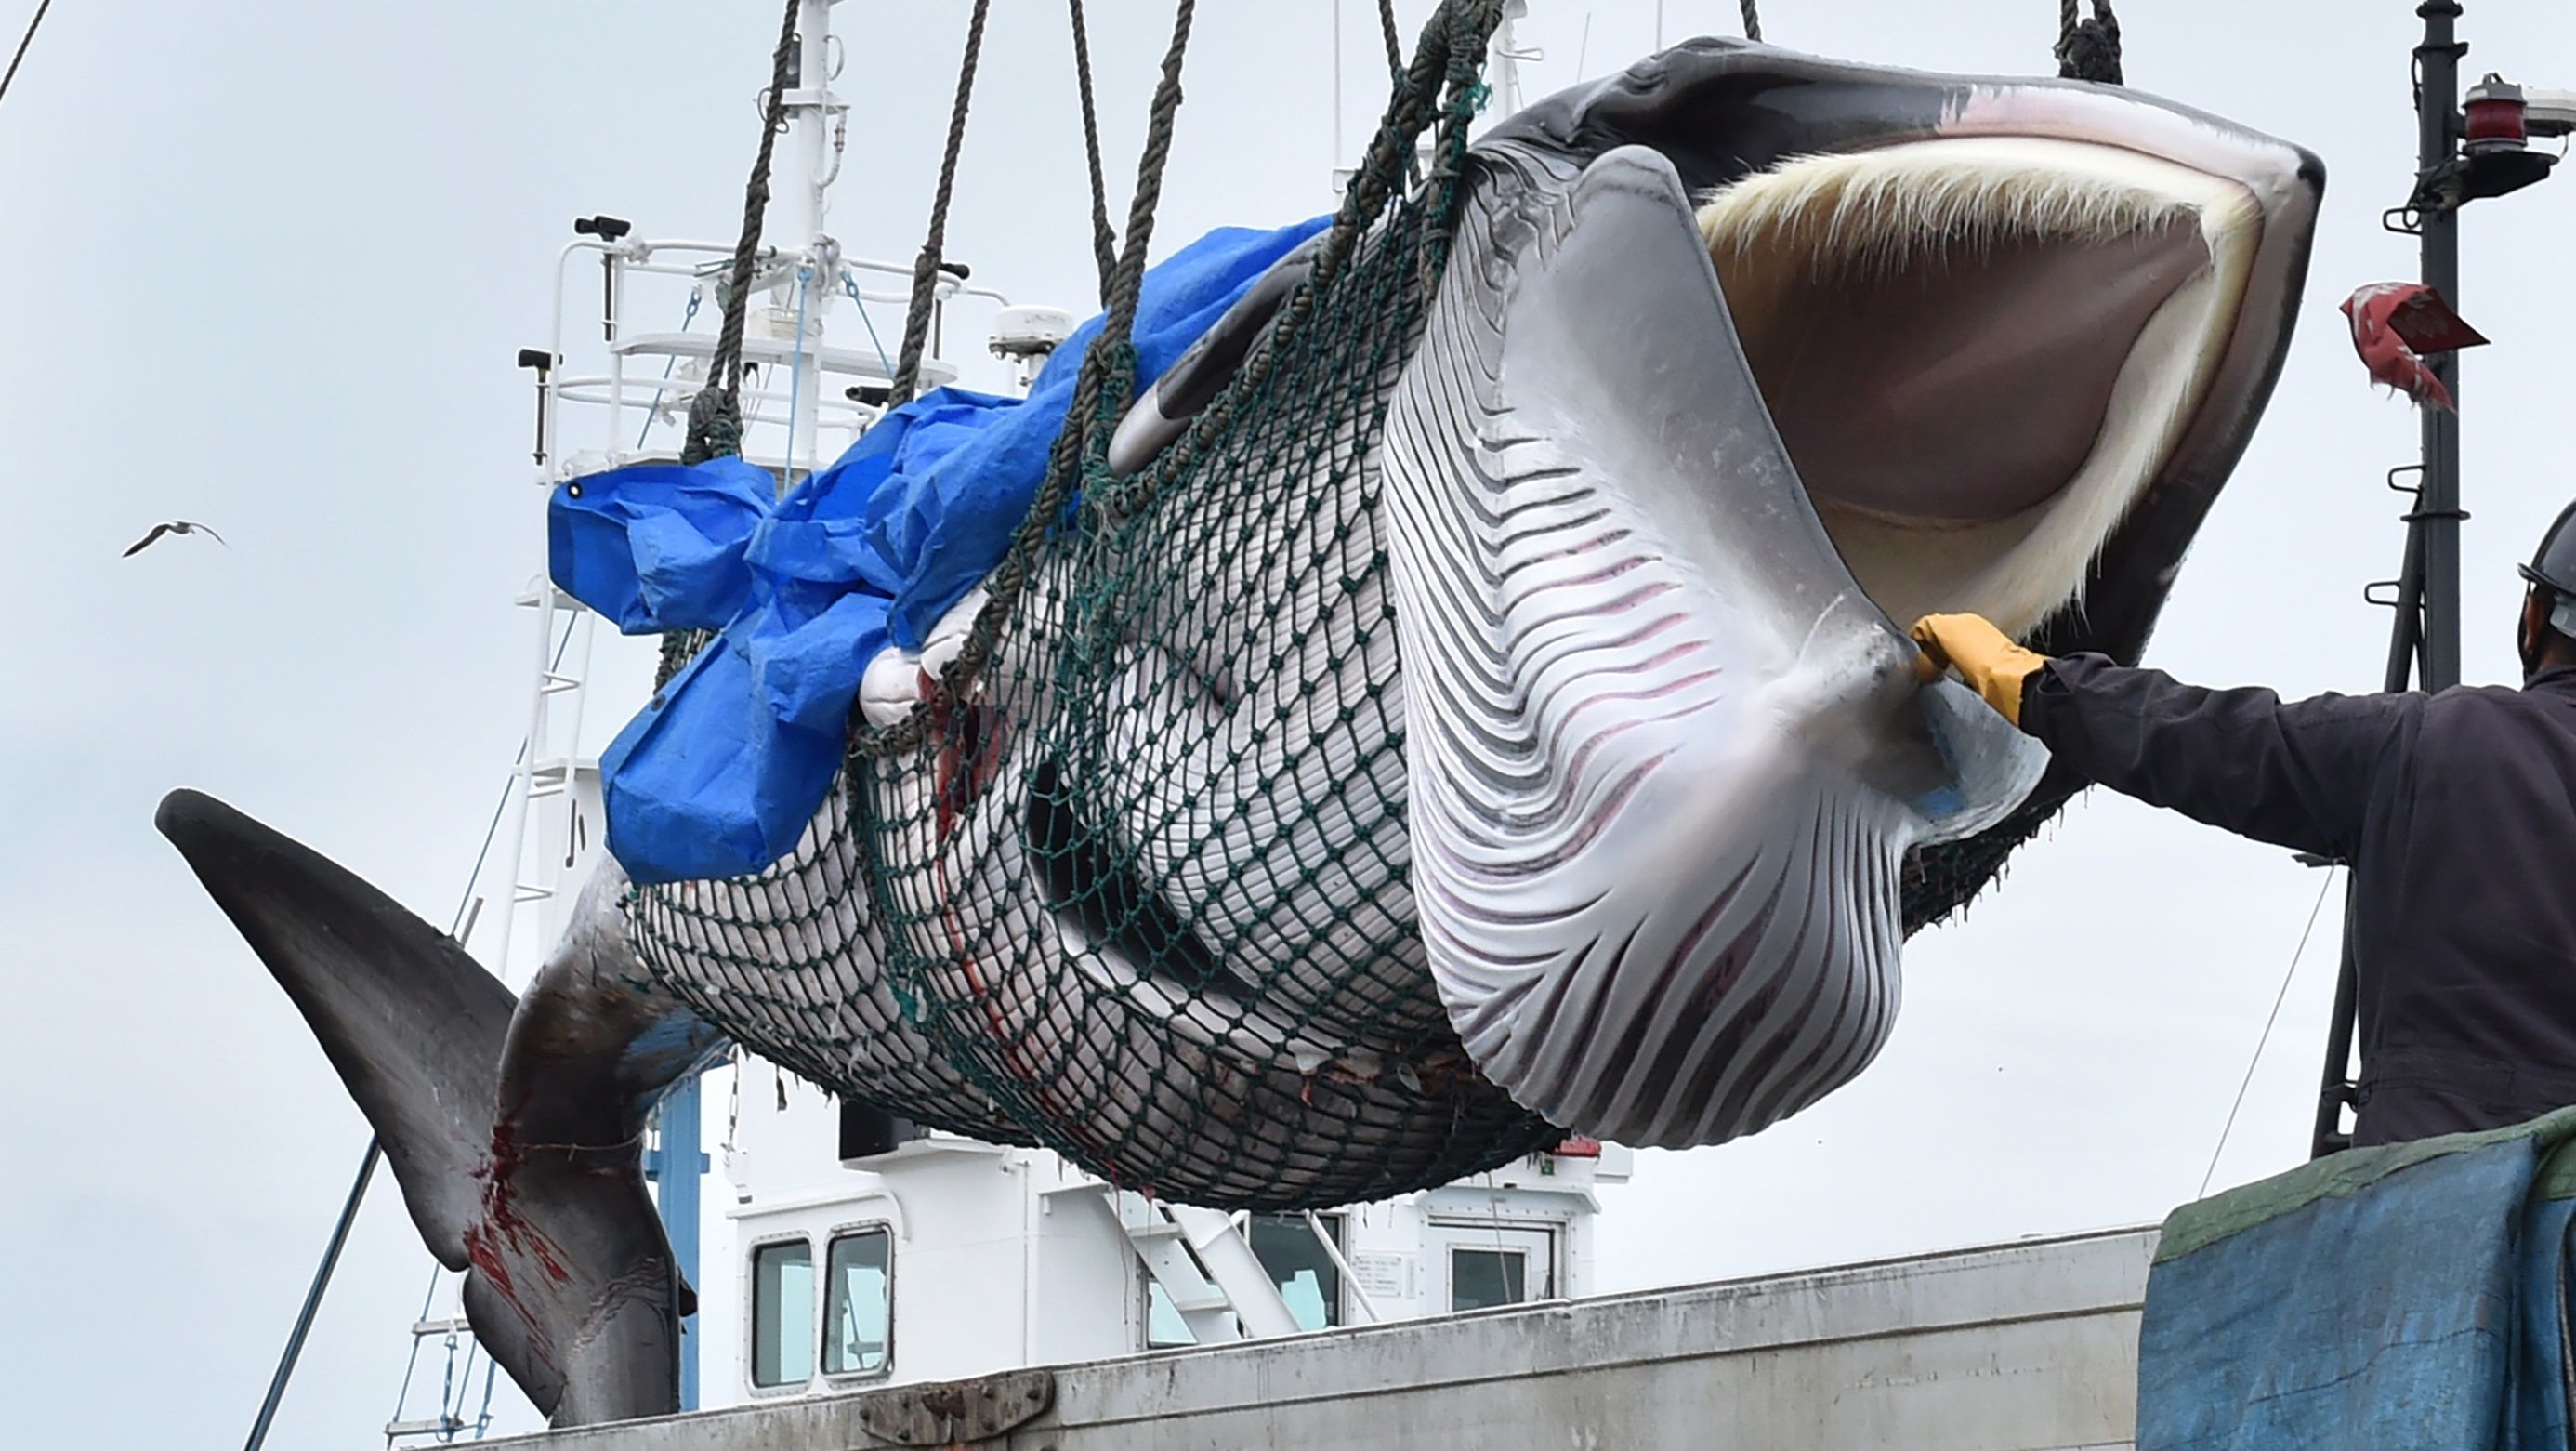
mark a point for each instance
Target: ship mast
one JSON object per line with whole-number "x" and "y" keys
{"x": 818, "y": 123}
{"x": 2462, "y": 155}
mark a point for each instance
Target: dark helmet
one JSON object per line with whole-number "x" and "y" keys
{"x": 2553, "y": 568}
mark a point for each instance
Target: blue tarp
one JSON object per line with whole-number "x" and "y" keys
{"x": 722, "y": 770}
{"x": 2402, "y": 1296}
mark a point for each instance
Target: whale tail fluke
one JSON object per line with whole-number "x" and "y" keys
{"x": 414, "y": 1025}
{"x": 570, "y": 1283}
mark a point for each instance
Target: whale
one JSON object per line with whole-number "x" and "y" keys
{"x": 1560, "y": 765}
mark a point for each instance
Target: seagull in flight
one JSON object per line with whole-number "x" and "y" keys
{"x": 175, "y": 526}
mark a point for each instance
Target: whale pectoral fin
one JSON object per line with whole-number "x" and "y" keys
{"x": 411, "y": 1022}
{"x": 513, "y": 1127}
{"x": 1664, "y": 755}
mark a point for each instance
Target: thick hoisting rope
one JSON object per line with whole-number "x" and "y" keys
{"x": 1085, "y": 414}
{"x": 715, "y": 411}
{"x": 2087, "y": 50}
{"x": 1394, "y": 70}
{"x": 1442, "y": 84}
{"x": 1752, "y": 20}
{"x": 925, "y": 268}
{"x": 1443, "y": 76}
{"x": 1446, "y": 63}
{"x": 1129, "y": 276}
{"x": 715, "y": 414}
{"x": 1104, "y": 241}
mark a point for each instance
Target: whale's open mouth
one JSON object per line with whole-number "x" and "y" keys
{"x": 1980, "y": 351}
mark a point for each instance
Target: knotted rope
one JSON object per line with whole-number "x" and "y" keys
{"x": 715, "y": 414}
{"x": 1104, "y": 242}
{"x": 1443, "y": 79}
{"x": 925, "y": 268}
{"x": 2087, "y": 50}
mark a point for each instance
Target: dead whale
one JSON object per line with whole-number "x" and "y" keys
{"x": 1741, "y": 359}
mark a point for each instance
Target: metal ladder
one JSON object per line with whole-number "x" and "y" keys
{"x": 1203, "y": 1262}
{"x": 448, "y": 1424}
{"x": 549, "y": 769}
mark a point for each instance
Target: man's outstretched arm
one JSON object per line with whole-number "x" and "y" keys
{"x": 2294, "y": 773}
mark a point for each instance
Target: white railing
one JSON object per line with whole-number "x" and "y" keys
{"x": 629, "y": 409}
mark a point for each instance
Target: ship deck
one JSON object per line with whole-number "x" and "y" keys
{"x": 2024, "y": 1346}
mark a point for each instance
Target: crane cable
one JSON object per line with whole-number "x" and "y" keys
{"x": 2260, "y": 1043}
{"x": 23, "y": 42}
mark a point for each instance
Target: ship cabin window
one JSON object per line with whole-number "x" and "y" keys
{"x": 1300, "y": 1265}
{"x": 858, "y": 1303}
{"x": 1480, "y": 1279}
{"x": 782, "y": 1314}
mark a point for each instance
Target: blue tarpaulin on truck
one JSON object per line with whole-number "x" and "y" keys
{"x": 2406, "y": 1296}
{"x": 721, "y": 771}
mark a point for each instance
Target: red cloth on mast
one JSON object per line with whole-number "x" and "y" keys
{"x": 2394, "y": 324}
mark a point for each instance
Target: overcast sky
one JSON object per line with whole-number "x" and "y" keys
{"x": 267, "y": 266}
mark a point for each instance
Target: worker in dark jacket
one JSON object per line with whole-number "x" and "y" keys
{"x": 2457, "y": 812}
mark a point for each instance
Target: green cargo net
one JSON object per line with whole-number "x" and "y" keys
{"x": 1133, "y": 884}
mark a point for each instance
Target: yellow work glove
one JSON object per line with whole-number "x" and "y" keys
{"x": 1985, "y": 657}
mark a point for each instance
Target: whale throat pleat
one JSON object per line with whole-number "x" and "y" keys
{"x": 1665, "y": 757}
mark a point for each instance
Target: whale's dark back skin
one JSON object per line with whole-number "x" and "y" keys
{"x": 419, "y": 1047}
{"x": 1719, "y": 110}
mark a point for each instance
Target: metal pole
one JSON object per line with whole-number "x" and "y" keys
{"x": 2326, "y": 1135}
{"x": 2406, "y": 637}
{"x": 2437, "y": 115}
{"x": 2424, "y": 643}
{"x": 1337, "y": 83}
{"x": 313, "y": 1298}
{"x": 677, "y": 1169}
{"x": 812, "y": 120}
